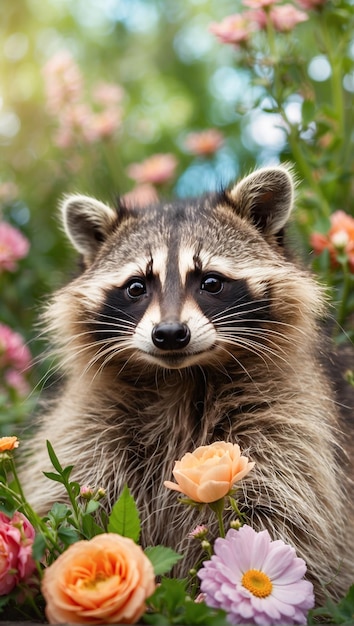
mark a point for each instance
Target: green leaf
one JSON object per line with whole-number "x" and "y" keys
{"x": 59, "y": 512}
{"x": 162, "y": 559}
{"x": 92, "y": 506}
{"x": 68, "y": 536}
{"x": 53, "y": 458}
{"x": 74, "y": 488}
{"x": 67, "y": 471}
{"x": 89, "y": 527}
{"x": 38, "y": 547}
{"x": 124, "y": 518}
{"x": 341, "y": 613}
{"x": 53, "y": 476}
{"x": 171, "y": 604}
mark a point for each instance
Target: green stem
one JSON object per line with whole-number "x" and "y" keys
{"x": 218, "y": 508}
{"x": 334, "y": 51}
{"x": 347, "y": 290}
{"x": 31, "y": 515}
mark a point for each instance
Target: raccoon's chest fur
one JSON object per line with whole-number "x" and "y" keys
{"x": 188, "y": 325}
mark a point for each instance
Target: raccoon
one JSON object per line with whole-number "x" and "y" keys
{"x": 191, "y": 323}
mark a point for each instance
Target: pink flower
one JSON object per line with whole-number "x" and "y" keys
{"x": 256, "y": 580}
{"x": 108, "y": 94}
{"x": 338, "y": 240}
{"x": 286, "y": 17}
{"x": 63, "y": 81}
{"x": 157, "y": 169}
{"x": 102, "y": 125}
{"x": 13, "y": 352}
{"x": 16, "y": 562}
{"x": 259, "y": 4}
{"x": 199, "y": 532}
{"x": 17, "y": 381}
{"x": 204, "y": 142}
{"x": 13, "y": 246}
{"x": 141, "y": 196}
{"x": 234, "y": 29}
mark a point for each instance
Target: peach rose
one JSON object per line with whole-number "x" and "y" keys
{"x": 8, "y": 443}
{"x": 101, "y": 581}
{"x": 210, "y": 472}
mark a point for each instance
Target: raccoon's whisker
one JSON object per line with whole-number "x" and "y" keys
{"x": 235, "y": 309}
{"x": 220, "y": 317}
{"x": 264, "y": 352}
{"x": 258, "y": 349}
{"x": 101, "y": 318}
{"x": 262, "y": 332}
{"x": 245, "y": 332}
{"x": 234, "y": 358}
{"x": 109, "y": 351}
{"x": 117, "y": 310}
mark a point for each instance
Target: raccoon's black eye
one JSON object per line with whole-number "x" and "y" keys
{"x": 136, "y": 288}
{"x": 212, "y": 284}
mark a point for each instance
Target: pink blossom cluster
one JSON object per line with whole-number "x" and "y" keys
{"x": 16, "y": 562}
{"x": 157, "y": 169}
{"x": 205, "y": 142}
{"x": 79, "y": 120}
{"x": 237, "y": 29}
{"x": 13, "y": 246}
{"x": 15, "y": 359}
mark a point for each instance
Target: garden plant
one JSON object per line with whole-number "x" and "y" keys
{"x": 147, "y": 100}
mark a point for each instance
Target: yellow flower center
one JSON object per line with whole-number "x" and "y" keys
{"x": 257, "y": 583}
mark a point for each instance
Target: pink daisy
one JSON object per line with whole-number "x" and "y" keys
{"x": 256, "y": 580}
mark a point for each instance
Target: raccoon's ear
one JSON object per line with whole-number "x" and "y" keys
{"x": 87, "y": 223}
{"x": 265, "y": 197}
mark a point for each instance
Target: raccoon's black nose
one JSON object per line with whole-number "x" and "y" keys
{"x": 171, "y": 335}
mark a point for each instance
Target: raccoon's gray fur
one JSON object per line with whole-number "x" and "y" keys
{"x": 190, "y": 324}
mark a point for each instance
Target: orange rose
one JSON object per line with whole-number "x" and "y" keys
{"x": 209, "y": 473}
{"x": 102, "y": 581}
{"x": 8, "y": 443}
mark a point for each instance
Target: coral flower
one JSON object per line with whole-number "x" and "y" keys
{"x": 13, "y": 246}
{"x": 256, "y": 580}
{"x": 8, "y": 443}
{"x": 285, "y": 17}
{"x": 234, "y": 29}
{"x": 338, "y": 240}
{"x": 157, "y": 169}
{"x": 210, "y": 472}
{"x": 102, "y": 581}
{"x": 204, "y": 142}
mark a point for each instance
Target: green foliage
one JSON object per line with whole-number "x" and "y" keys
{"x": 162, "y": 559}
{"x": 124, "y": 518}
{"x": 332, "y": 613}
{"x": 171, "y": 604}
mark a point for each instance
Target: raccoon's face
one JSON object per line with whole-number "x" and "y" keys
{"x": 182, "y": 284}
